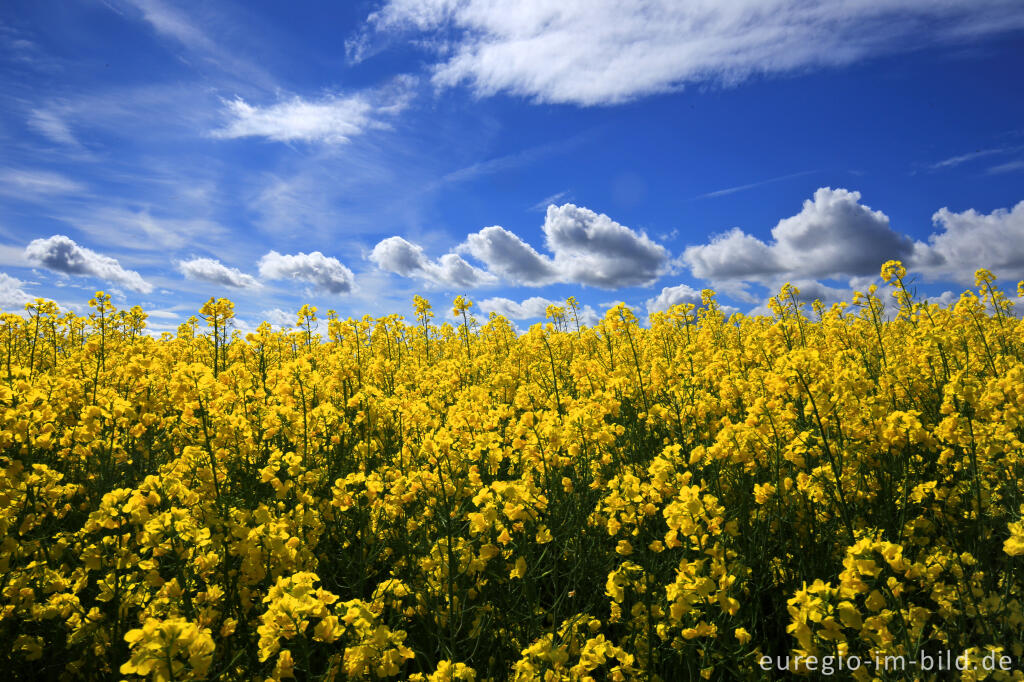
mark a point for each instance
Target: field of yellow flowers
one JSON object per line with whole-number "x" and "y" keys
{"x": 375, "y": 498}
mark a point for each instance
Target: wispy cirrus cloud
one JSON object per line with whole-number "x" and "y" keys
{"x": 141, "y": 228}
{"x": 34, "y": 184}
{"x": 518, "y": 159}
{"x": 52, "y": 126}
{"x": 543, "y": 204}
{"x": 752, "y": 185}
{"x": 590, "y": 52}
{"x": 168, "y": 21}
{"x": 1007, "y": 167}
{"x": 954, "y": 161}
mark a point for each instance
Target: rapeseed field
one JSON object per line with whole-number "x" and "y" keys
{"x": 427, "y": 500}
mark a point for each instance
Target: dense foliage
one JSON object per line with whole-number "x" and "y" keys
{"x": 373, "y": 498}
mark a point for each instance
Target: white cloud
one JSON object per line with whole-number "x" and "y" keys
{"x": 140, "y": 229}
{"x": 833, "y": 235}
{"x": 278, "y": 317}
{"x": 944, "y": 300}
{"x": 61, "y": 254}
{"x": 12, "y": 297}
{"x": 510, "y": 257}
{"x": 543, "y": 204}
{"x": 972, "y": 240}
{"x": 588, "y": 248}
{"x": 215, "y": 272}
{"x": 517, "y": 159}
{"x": 954, "y": 161}
{"x": 455, "y": 271}
{"x": 1007, "y": 167}
{"x": 179, "y": 26}
{"x": 167, "y": 21}
{"x": 30, "y": 184}
{"x": 52, "y": 126}
{"x": 404, "y": 258}
{"x": 606, "y": 51}
{"x": 163, "y": 314}
{"x": 324, "y": 272}
{"x": 533, "y": 308}
{"x": 682, "y": 293}
{"x": 811, "y": 291}
{"x": 333, "y": 119}
{"x": 737, "y": 289}
{"x": 399, "y": 256}
{"x": 594, "y": 249}
{"x": 732, "y": 255}
{"x": 671, "y": 296}
{"x": 751, "y": 185}
{"x": 12, "y": 256}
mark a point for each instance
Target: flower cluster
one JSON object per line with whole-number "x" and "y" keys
{"x": 373, "y": 499}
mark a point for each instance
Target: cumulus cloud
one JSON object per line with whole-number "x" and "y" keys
{"x": 594, "y": 249}
{"x": 61, "y": 254}
{"x": 215, "y": 272}
{"x": 455, "y": 271}
{"x": 402, "y": 257}
{"x": 533, "y": 307}
{"x": 678, "y": 294}
{"x": 833, "y": 235}
{"x": 671, "y": 296}
{"x": 333, "y": 119}
{"x": 326, "y": 273}
{"x": 971, "y": 240}
{"x": 278, "y": 317}
{"x": 510, "y": 257}
{"x": 587, "y": 248}
{"x": 12, "y": 296}
{"x": 603, "y": 51}
{"x": 945, "y": 299}
{"x": 811, "y": 291}
{"x": 732, "y": 255}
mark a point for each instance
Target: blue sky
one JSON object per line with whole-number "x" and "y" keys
{"x": 351, "y": 155}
